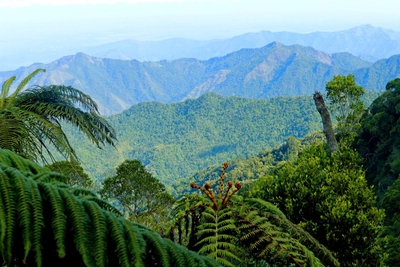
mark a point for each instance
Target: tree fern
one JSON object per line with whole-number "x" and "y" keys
{"x": 217, "y": 236}
{"x": 266, "y": 240}
{"x": 225, "y": 226}
{"x": 46, "y": 223}
{"x": 31, "y": 119}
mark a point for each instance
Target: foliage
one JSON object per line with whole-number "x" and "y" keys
{"x": 47, "y": 223}
{"x": 256, "y": 230}
{"x": 30, "y": 119}
{"x": 327, "y": 195}
{"x": 248, "y": 170}
{"x": 390, "y": 202}
{"x": 175, "y": 140}
{"x": 141, "y": 197}
{"x": 344, "y": 96}
{"x": 379, "y": 145}
{"x": 378, "y": 141}
{"x": 76, "y": 176}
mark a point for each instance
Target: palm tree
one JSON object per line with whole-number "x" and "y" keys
{"x": 30, "y": 120}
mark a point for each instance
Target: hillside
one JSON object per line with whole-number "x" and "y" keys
{"x": 270, "y": 71}
{"x": 366, "y": 41}
{"x": 176, "y": 140}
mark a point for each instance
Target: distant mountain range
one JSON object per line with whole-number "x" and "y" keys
{"x": 368, "y": 42}
{"x": 270, "y": 71}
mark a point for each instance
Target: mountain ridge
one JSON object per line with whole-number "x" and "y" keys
{"x": 365, "y": 41}
{"x": 270, "y": 71}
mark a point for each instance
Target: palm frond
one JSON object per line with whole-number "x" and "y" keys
{"x": 266, "y": 239}
{"x": 31, "y": 120}
{"x": 5, "y": 89}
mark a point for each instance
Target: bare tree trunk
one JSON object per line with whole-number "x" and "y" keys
{"x": 326, "y": 121}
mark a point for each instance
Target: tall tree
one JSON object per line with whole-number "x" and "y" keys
{"x": 31, "y": 119}
{"x": 326, "y": 121}
{"x": 378, "y": 143}
{"x": 327, "y": 194}
{"x": 141, "y": 196}
{"x": 345, "y": 103}
{"x": 74, "y": 173}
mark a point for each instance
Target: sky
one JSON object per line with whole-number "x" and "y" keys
{"x": 196, "y": 19}
{"x": 27, "y": 25}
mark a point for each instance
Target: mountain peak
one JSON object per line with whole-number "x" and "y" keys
{"x": 276, "y": 44}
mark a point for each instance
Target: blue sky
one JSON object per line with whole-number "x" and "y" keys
{"x": 198, "y": 19}
{"x": 44, "y": 30}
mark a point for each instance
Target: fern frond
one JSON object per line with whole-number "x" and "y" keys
{"x": 22, "y": 84}
{"x": 38, "y": 221}
{"x": 225, "y": 227}
{"x": 23, "y": 206}
{"x": 117, "y": 231}
{"x": 96, "y": 237}
{"x": 222, "y": 260}
{"x": 264, "y": 238}
{"x": 8, "y": 158}
{"x": 5, "y": 89}
{"x": 3, "y": 212}
{"x": 265, "y": 206}
{"x": 81, "y": 192}
{"x": 99, "y": 232}
{"x": 58, "y": 217}
{"x": 9, "y": 201}
{"x": 305, "y": 238}
{"x": 76, "y": 215}
{"x": 104, "y": 205}
{"x": 176, "y": 254}
{"x": 48, "y": 177}
{"x": 3, "y": 225}
{"x": 136, "y": 244}
{"x": 157, "y": 248}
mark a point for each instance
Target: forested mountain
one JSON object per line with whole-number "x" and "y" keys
{"x": 175, "y": 140}
{"x": 274, "y": 70}
{"x": 366, "y": 41}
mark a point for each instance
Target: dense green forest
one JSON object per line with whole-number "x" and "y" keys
{"x": 321, "y": 198}
{"x": 176, "y": 140}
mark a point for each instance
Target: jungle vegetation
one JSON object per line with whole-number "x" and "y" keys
{"x": 299, "y": 204}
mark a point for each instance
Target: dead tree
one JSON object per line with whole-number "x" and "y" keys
{"x": 326, "y": 121}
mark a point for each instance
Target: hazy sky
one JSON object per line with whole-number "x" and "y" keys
{"x": 45, "y": 30}
{"x": 198, "y": 19}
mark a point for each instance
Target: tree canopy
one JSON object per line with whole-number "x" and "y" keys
{"x": 378, "y": 144}
{"x": 328, "y": 196}
{"x": 142, "y": 197}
